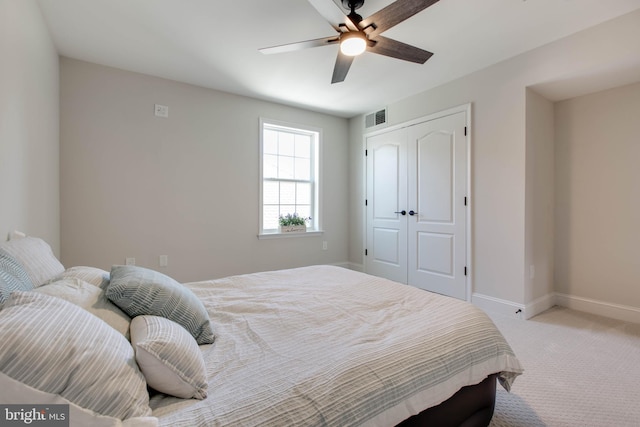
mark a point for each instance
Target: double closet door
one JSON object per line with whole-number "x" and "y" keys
{"x": 416, "y": 205}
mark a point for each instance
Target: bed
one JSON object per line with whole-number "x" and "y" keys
{"x": 310, "y": 346}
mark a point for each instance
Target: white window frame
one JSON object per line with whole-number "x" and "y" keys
{"x": 316, "y": 160}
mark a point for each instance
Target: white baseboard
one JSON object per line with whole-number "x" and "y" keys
{"x": 352, "y": 266}
{"x": 497, "y": 305}
{"x": 527, "y": 311}
{"x": 539, "y": 305}
{"x": 513, "y": 309}
{"x": 601, "y": 308}
{"x": 615, "y": 311}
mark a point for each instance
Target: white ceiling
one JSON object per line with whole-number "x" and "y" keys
{"x": 214, "y": 43}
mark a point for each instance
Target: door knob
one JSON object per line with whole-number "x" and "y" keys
{"x": 402, "y": 212}
{"x": 412, "y": 213}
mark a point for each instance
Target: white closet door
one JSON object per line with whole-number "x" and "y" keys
{"x": 386, "y": 198}
{"x": 437, "y": 188}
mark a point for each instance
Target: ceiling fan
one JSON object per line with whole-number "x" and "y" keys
{"x": 355, "y": 34}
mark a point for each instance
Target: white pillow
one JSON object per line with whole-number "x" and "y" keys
{"x": 95, "y": 276}
{"x": 169, "y": 357}
{"x": 36, "y": 257}
{"x": 17, "y": 234}
{"x": 56, "y": 347}
{"x": 92, "y": 299}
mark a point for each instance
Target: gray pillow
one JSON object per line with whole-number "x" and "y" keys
{"x": 140, "y": 291}
{"x": 13, "y": 276}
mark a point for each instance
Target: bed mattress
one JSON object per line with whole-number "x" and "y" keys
{"x": 323, "y": 345}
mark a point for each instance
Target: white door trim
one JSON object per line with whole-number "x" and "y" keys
{"x": 469, "y": 232}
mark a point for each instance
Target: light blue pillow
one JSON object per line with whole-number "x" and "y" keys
{"x": 140, "y": 291}
{"x": 13, "y": 276}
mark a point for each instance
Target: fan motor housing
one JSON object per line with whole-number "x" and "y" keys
{"x": 352, "y": 4}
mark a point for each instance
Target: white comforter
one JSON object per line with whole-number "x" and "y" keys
{"x": 329, "y": 346}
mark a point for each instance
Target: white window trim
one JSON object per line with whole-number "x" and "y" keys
{"x": 318, "y": 200}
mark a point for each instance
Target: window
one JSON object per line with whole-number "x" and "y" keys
{"x": 289, "y": 174}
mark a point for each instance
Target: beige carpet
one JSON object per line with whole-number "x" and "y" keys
{"x": 580, "y": 370}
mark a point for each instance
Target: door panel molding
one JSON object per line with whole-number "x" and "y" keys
{"x": 454, "y": 260}
{"x": 386, "y": 161}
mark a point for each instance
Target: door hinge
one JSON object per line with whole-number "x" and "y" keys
{"x": 465, "y": 200}
{"x": 465, "y": 131}
{"x": 465, "y": 270}
{"x": 366, "y": 153}
{"x": 366, "y": 202}
{"x": 366, "y": 252}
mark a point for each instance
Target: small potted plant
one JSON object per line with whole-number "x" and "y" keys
{"x": 292, "y": 223}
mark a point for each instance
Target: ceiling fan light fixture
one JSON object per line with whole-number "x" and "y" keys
{"x": 353, "y": 44}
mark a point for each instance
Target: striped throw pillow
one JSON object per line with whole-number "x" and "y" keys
{"x": 169, "y": 357}
{"x": 56, "y": 347}
{"x": 13, "y": 276}
{"x": 139, "y": 291}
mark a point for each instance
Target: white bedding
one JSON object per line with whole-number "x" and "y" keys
{"x": 329, "y": 346}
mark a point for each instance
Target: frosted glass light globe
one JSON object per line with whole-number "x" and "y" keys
{"x": 353, "y": 44}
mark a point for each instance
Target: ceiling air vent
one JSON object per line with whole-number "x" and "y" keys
{"x": 375, "y": 119}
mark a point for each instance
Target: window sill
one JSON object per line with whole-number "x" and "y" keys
{"x": 277, "y": 235}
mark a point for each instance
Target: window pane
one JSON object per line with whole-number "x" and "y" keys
{"x": 286, "y": 146}
{"x": 270, "y": 166}
{"x": 287, "y": 209}
{"x": 289, "y": 180}
{"x": 271, "y": 192}
{"x": 304, "y": 211}
{"x": 303, "y": 169}
{"x": 303, "y": 146}
{"x": 270, "y": 217}
{"x": 303, "y": 194}
{"x": 288, "y": 193}
{"x": 270, "y": 142}
{"x": 285, "y": 171}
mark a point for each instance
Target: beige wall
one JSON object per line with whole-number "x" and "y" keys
{"x": 135, "y": 185}
{"x": 29, "y": 190}
{"x": 498, "y": 141}
{"x": 497, "y": 173}
{"x": 539, "y": 200}
{"x": 598, "y": 201}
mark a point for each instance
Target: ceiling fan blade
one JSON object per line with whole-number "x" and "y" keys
{"x": 333, "y": 13}
{"x": 393, "y": 14}
{"x": 300, "y": 45}
{"x": 399, "y": 50}
{"x": 343, "y": 63}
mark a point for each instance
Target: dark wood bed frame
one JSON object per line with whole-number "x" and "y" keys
{"x": 471, "y": 406}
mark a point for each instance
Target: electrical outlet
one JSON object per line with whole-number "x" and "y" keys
{"x": 163, "y": 260}
{"x": 161, "y": 110}
{"x": 324, "y": 245}
{"x": 130, "y": 261}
